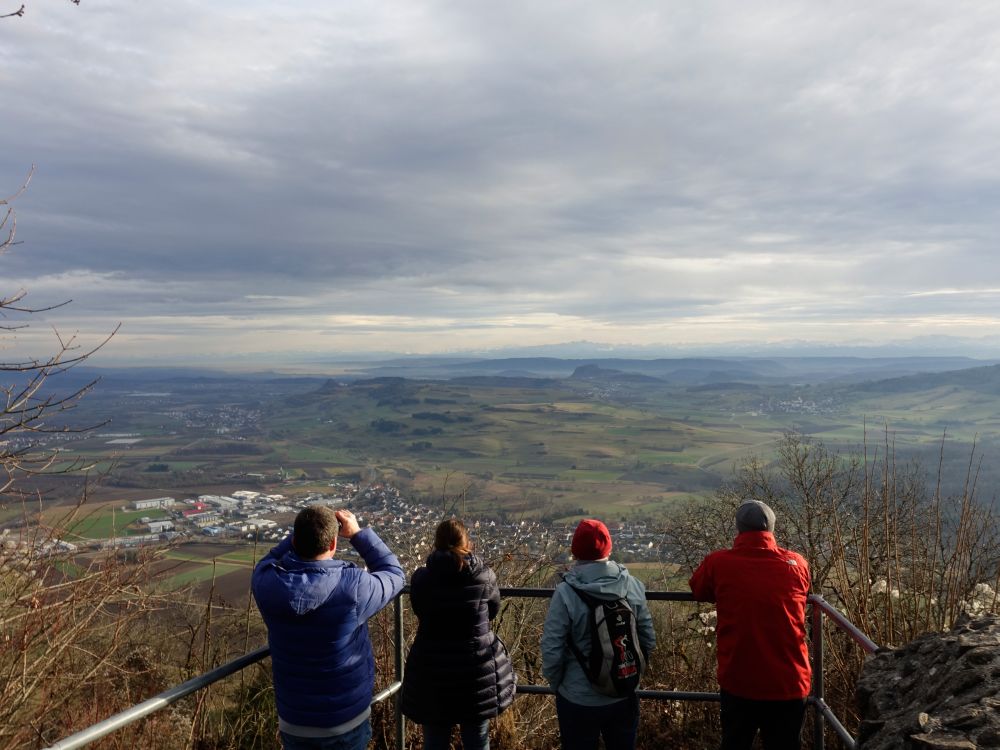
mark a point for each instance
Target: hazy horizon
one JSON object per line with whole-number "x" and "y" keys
{"x": 306, "y": 362}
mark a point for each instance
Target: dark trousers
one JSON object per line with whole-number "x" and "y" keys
{"x": 779, "y": 723}
{"x": 475, "y": 735}
{"x": 580, "y": 726}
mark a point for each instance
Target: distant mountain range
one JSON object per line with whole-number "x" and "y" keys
{"x": 679, "y": 371}
{"x": 983, "y": 348}
{"x": 878, "y": 374}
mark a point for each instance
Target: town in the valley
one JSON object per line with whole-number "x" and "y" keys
{"x": 254, "y": 516}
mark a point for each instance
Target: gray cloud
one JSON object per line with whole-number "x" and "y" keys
{"x": 392, "y": 176}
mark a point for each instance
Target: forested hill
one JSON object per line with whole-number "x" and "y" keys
{"x": 979, "y": 379}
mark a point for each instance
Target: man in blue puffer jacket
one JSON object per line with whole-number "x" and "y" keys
{"x": 316, "y": 609}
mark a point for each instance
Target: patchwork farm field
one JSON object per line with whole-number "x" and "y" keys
{"x": 543, "y": 446}
{"x": 222, "y": 567}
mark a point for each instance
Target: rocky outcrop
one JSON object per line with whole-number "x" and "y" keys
{"x": 940, "y": 692}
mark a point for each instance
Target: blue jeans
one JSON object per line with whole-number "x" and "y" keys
{"x": 475, "y": 736}
{"x": 356, "y": 739}
{"x": 580, "y": 726}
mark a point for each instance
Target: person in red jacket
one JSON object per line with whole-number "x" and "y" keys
{"x": 760, "y": 591}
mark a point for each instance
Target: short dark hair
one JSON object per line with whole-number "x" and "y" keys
{"x": 315, "y": 530}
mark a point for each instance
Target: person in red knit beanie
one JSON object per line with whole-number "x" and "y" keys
{"x": 585, "y": 713}
{"x": 591, "y": 541}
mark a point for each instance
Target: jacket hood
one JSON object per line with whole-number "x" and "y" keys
{"x": 607, "y": 580}
{"x": 307, "y": 584}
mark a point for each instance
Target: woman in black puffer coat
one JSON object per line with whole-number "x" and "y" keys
{"x": 458, "y": 670}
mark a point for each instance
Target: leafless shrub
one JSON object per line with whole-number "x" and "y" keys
{"x": 68, "y": 646}
{"x": 69, "y": 651}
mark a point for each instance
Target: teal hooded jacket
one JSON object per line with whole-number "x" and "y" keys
{"x": 567, "y": 617}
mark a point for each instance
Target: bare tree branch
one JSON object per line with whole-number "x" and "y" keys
{"x": 20, "y": 11}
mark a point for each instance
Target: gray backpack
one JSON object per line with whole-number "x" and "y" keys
{"x": 615, "y": 663}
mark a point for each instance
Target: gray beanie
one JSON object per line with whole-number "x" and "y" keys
{"x": 753, "y": 515}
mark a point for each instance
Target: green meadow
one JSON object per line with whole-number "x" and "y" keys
{"x": 564, "y": 447}
{"x": 98, "y": 521}
{"x": 542, "y": 447}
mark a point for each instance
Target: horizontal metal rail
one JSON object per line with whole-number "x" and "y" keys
{"x": 819, "y": 705}
{"x": 164, "y": 699}
{"x": 389, "y": 690}
{"x": 539, "y": 593}
{"x": 844, "y": 624}
{"x": 174, "y": 694}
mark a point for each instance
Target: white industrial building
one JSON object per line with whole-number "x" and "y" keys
{"x": 156, "y": 502}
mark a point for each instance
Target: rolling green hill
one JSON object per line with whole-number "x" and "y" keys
{"x": 604, "y": 433}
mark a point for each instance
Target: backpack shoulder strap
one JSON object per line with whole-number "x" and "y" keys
{"x": 591, "y": 603}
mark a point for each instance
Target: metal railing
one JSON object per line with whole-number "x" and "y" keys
{"x": 823, "y": 713}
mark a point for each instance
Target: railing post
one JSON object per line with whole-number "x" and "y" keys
{"x": 397, "y": 612}
{"x": 819, "y": 726}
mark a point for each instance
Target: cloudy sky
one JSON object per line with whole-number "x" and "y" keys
{"x": 259, "y": 179}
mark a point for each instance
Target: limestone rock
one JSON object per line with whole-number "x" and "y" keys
{"x": 940, "y": 692}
